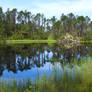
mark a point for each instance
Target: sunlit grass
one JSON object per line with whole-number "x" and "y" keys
{"x": 29, "y": 41}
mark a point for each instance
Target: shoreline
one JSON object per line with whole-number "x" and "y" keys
{"x": 33, "y": 41}
{"x": 28, "y": 41}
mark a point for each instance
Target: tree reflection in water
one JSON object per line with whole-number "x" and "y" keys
{"x": 25, "y": 57}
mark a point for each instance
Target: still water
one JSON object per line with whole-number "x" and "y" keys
{"x": 29, "y": 61}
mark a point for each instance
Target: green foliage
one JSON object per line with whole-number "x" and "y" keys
{"x": 34, "y": 37}
{"x": 25, "y": 28}
{"x": 36, "y": 27}
{"x": 2, "y": 37}
{"x": 16, "y": 36}
{"x": 51, "y": 37}
{"x": 88, "y": 36}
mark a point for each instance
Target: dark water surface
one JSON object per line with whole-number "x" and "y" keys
{"x": 31, "y": 61}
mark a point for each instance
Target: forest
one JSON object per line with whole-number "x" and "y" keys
{"x": 20, "y": 25}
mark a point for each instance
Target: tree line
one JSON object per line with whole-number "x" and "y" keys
{"x": 16, "y": 24}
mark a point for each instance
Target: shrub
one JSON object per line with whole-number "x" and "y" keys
{"x": 51, "y": 37}
{"x": 17, "y": 36}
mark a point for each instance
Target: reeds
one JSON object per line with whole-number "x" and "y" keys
{"x": 77, "y": 78}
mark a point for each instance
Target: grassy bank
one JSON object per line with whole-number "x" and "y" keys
{"x": 29, "y": 41}
{"x": 33, "y": 41}
{"x": 37, "y": 41}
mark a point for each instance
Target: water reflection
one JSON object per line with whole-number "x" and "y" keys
{"x": 21, "y": 60}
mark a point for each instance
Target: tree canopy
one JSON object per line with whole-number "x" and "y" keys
{"x": 16, "y": 24}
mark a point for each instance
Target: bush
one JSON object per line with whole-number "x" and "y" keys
{"x": 17, "y": 36}
{"x": 34, "y": 37}
{"x": 2, "y": 37}
{"x": 51, "y": 37}
{"x": 87, "y": 36}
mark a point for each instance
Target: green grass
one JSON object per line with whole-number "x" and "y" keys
{"x": 33, "y": 41}
{"x": 29, "y": 41}
{"x": 86, "y": 41}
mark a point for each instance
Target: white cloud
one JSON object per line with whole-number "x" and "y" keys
{"x": 49, "y": 9}
{"x": 79, "y": 7}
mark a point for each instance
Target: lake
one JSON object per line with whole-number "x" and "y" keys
{"x": 33, "y": 61}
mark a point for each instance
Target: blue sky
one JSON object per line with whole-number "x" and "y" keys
{"x": 51, "y": 7}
